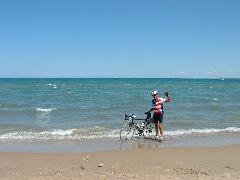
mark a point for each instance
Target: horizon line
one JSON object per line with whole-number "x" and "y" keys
{"x": 222, "y": 78}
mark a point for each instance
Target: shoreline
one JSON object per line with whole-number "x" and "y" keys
{"x": 112, "y": 144}
{"x": 147, "y": 163}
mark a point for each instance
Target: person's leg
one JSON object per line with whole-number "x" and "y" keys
{"x": 157, "y": 128}
{"x": 161, "y": 129}
{"x": 161, "y": 126}
{"x": 155, "y": 120}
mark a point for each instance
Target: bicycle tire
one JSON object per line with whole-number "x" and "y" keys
{"x": 127, "y": 132}
{"x": 148, "y": 130}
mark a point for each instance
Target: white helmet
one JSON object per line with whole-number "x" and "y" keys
{"x": 153, "y": 93}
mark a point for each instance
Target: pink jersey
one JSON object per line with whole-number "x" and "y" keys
{"x": 158, "y": 105}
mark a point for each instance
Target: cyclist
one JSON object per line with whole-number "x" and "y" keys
{"x": 158, "y": 111}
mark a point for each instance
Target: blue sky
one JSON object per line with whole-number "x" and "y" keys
{"x": 127, "y": 38}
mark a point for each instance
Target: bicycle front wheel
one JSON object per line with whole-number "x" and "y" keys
{"x": 127, "y": 132}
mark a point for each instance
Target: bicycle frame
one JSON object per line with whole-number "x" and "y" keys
{"x": 130, "y": 127}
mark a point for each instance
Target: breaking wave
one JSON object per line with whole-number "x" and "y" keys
{"x": 101, "y": 132}
{"x": 205, "y": 131}
{"x": 44, "y": 109}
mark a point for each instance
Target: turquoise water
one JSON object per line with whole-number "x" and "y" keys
{"x": 94, "y": 108}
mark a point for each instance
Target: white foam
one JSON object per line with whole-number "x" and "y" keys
{"x": 4, "y": 109}
{"x": 44, "y": 109}
{"x": 54, "y": 85}
{"x": 54, "y": 134}
{"x": 100, "y": 132}
{"x": 205, "y": 131}
{"x": 85, "y": 133}
{"x": 213, "y": 99}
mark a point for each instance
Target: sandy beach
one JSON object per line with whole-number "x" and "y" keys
{"x": 161, "y": 163}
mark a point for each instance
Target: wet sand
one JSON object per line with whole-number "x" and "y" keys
{"x": 147, "y": 163}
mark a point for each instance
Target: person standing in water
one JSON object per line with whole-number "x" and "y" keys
{"x": 158, "y": 111}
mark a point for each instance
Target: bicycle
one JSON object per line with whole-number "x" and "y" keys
{"x": 132, "y": 128}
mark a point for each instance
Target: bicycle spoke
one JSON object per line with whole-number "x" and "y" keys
{"x": 127, "y": 132}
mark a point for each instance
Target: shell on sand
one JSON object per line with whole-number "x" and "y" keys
{"x": 100, "y": 165}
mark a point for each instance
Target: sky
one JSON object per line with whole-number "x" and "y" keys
{"x": 120, "y": 38}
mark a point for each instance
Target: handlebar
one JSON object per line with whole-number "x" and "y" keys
{"x": 147, "y": 113}
{"x": 131, "y": 117}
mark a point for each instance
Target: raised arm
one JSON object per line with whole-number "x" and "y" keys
{"x": 168, "y": 99}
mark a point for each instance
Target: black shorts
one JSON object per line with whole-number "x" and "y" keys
{"x": 158, "y": 118}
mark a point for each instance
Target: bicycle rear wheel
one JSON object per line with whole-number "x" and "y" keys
{"x": 127, "y": 132}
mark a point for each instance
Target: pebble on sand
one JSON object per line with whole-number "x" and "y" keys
{"x": 101, "y": 165}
